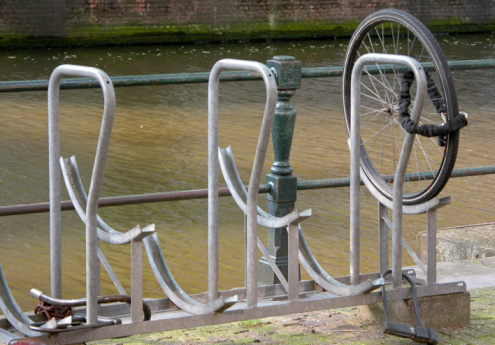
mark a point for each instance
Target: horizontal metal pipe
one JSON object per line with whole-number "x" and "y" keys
{"x": 134, "y": 80}
{"x": 325, "y": 72}
{"x": 202, "y": 77}
{"x": 13, "y": 210}
{"x": 345, "y": 182}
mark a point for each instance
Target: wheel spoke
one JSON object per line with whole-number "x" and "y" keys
{"x": 390, "y": 123}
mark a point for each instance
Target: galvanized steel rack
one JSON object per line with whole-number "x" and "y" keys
{"x": 178, "y": 310}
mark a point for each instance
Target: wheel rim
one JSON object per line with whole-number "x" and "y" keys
{"x": 381, "y": 133}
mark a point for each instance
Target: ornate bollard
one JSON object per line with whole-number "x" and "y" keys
{"x": 282, "y": 198}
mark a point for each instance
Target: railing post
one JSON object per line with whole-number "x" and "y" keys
{"x": 282, "y": 198}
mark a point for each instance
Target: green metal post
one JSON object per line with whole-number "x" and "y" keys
{"x": 282, "y": 197}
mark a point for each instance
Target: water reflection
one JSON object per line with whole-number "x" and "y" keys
{"x": 159, "y": 143}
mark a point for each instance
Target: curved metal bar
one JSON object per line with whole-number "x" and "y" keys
{"x": 236, "y": 188}
{"x": 322, "y": 278}
{"x": 73, "y": 183}
{"x": 79, "y": 302}
{"x": 355, "y": 136}
{"x": 78, "y": 197}
{"x": 11, "y": 309}
{"x": 271, "y": 99}
{"x": 167, "y": 282}
{"x": 406, "y": 209}
{"x": 77, "y": 193}
{"x": 234, "y": 182}
{"x": 92, "y": 264}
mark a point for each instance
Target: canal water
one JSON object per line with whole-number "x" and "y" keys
{"x": 159, "y": 143}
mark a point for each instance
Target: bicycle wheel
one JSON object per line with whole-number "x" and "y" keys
{"x": 432, "y": 159}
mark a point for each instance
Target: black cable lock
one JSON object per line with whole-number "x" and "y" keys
{"x": 417, "y": 333}
{"x": 427, "y": 130}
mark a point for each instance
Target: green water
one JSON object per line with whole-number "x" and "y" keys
{"x": 159, "y": 143}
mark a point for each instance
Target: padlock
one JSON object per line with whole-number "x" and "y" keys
{"x": 416, "y": 333}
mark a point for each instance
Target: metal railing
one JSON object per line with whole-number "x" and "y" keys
{"x": 202, "y": 77}
{"x": 191, "y": 78}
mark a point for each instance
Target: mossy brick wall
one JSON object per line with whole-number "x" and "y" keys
{"x": 135, "y": 21}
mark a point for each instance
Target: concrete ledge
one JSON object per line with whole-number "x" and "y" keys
{"x": 476, "y": 274}
{"x": 444, "y": 311}
{"x": 462, "y": 243}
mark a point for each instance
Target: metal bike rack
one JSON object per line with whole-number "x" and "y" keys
{"x": 247, "y": 201}
{"x": 87, "y": 206}
{"x": 395, "y": 205}
{"x": 178, "y": 309}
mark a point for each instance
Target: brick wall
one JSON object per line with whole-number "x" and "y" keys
{"x": 182, "y": 20}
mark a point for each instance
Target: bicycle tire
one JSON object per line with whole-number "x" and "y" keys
{"x": 430, "y": 164}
